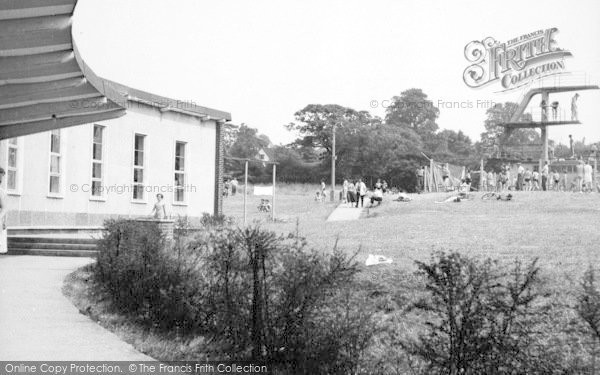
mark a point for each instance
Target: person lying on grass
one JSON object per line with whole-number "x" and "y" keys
{"x": 463, "y": 193}
{"x": 403, "y": 197}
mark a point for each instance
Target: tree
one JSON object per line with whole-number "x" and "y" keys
{"x": 247, "y": 143}
{"x": 494, "y": 133}
{"x": 413, "y": 110}
{"x": 315, "y": 123}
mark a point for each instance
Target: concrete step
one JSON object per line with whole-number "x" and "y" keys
{"x": 70, "y": 232}
{"x": 48, "y": 252}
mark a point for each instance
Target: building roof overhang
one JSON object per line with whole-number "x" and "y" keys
{"x": 44, "y": 82}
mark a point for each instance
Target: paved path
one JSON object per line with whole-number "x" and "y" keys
{"x": 38, "y": 323}
{"x": 344, "y": 213}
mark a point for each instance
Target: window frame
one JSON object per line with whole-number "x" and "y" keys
{"x": 183, "y": 172}
{"x": 61, "y": 163}
{"x": 102, "y": 162}
{"x": 144, "y": 169}
{"x": 17, "y": 169}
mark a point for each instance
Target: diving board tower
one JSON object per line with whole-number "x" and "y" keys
{"x": 547, "y": 115}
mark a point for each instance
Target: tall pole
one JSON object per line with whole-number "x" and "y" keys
{"x": 333, "y": 165}
{"x": 245, "y": 188}
{"x": 273, "y": 204}
{"x": 545, "y": 99}
{"x": 481, "y": 176}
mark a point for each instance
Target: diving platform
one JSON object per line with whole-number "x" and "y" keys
{"x": 547, "y": 113}
{"x": 545, "y": 91}
{"x": 536, "y": 124}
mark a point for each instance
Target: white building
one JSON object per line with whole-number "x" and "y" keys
{"x": 81, "y": 175}
{"x": 78, "y": 148}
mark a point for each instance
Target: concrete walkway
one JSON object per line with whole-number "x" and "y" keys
{"x": 345, "y": 213}
{"x": 38, "y": 323}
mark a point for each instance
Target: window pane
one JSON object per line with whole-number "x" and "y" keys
{"x": 55, "y": 141}
{"x": 138, "y": 192}
{"x": 12, "y": 157}
{"x": 97, "y": 151}
{"x": 138, "y": 175}
{"x": 138, "y": 158}
{"x": 11, "y": 182}
{"x": 54, "y": 164}
{"x": 98, "y": 130}
{"x": 97, "y": 188}
{"x": 179, "y": 164}
{"x": 139, "y": 142}
{"x": 179, "y": 179}
{"x": 54, "y": 184}
{"x": 97, "y": 170}
{"x": 179, "y": 195}
{"x": 180, "y": 149}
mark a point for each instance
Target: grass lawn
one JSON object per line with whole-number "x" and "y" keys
{"x": 558, "y": 228}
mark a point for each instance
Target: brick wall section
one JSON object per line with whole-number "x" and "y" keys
{"x": 219, "y": 165}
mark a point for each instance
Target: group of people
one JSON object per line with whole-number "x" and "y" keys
{"x": 533, "y": 180}
{"x": 354, "y": 192}
{"x": 554, "y": 106}
{"x": 230, "y": 187}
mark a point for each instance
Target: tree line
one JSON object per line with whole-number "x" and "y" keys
{"x": 368, "y": 146}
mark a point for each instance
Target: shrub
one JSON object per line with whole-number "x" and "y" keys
{"x": 252, "y": 293}
{"x": 587, "y": 310}
{"x": 481, "y": 319}
{"x": 129, "y": 256}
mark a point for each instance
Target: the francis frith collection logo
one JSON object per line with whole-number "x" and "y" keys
{"x": 516, "y": 62}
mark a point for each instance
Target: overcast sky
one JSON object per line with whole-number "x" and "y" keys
{"x": 263, "y": 60}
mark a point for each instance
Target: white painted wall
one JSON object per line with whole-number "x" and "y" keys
{"x": 32, "y": 205}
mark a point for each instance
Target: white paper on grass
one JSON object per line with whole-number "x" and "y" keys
{"x": 263, "y": 190}
{"x": 377, "y": 259}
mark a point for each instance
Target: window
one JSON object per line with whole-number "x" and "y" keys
{"x": 138, "y": 167}
{"x": 179, "y": 172}
{"x": 55, "y": 162}
{"x": 97, "y": 157}
{"x": 11, "y": 166}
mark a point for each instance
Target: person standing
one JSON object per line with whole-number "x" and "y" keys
{"x": 323, "y": 191}
{"x": 351, "y": 198}
{"x": 580, "y": 175}
{"x": 3, "y": 210}
{"x": 587, "y": 176}
{"x": 226, "y": 187}
{"x": 159, "y": 211}
{"x": 446, "y": 175}
{"x": 520, "y": 173}
{"x": 420, "y": 179}
{"x": 574, "y": 114}
{"x": 554, "y": 110}
{"x": 345, "y": 191}
{"x": 234, "y": 186}
{"x": 361, "y": 191}
{"x": 527, "y": 179}
{"x": 536, "y": 179}
{"x": 544, "y": 108}
{"x": 545, "y": 176}
{"x": 491, "y": 181}
{"x": 571, "y": 146}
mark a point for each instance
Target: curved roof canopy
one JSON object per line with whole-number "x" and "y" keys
{"x": 44, "y": 83}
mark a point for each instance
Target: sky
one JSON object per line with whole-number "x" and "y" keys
{"x": 263, "y": 60}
